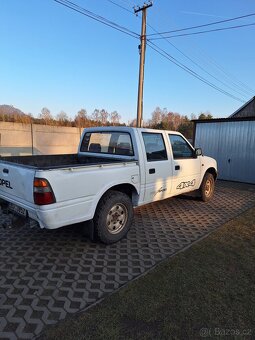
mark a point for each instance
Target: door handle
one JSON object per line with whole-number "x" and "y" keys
{"x": 177, "y": 167}
{"x": 152, "y": 171}
{"x": 5, "y": 171}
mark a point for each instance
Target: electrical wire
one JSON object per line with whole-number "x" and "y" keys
{"x": 204, "y": 25}
{"x": 201, "y": 32}
{"x": 201, "y": 67}
{"x": 128, "y": 3}
{"x": 239, "y": 85}
{"x": 105, "y": 21}
{"x": 227, "y": 75}
{"x": 190, "y": 71}
{"x": 184, "y": 67}
{"x": 98, "y": 18}
{"x": 118, "y": 5}
{"x": 209, "y": 60}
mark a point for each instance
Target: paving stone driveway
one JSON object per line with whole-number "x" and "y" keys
{"x": 46, "y": 275}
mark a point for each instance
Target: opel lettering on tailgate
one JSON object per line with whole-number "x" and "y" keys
{"x": 3, "y": 182}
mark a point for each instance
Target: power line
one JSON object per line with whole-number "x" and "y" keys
{"x": 201, "y": 67}
{"x": 190, "y": 71}
{"x": 175, "y": 61}
{"x": 128, "y": 2}
{"x": 204, "y": 25}
{"x": 98, "y": 18}
{"x": 201, "y": 32}
{"x": 118, "y": 5}
{"x": 226, "y": 74}
{"x": 209, "y": 60}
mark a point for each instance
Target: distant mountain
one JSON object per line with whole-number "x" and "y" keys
{"x": 10, "y": 110}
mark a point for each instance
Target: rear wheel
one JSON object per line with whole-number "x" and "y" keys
{"x": 207, "y": 187}
{"x": 113, "y": 217}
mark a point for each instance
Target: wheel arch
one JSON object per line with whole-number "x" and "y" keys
{"x": 212, "y": 171}
{"x": 125, "y": 188}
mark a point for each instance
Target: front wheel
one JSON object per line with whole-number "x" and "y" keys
{"x": 207, "y": 187}
{"x": 113, "y": 217}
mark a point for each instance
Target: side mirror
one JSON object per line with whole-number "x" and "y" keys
{"x": 198, "y": 152}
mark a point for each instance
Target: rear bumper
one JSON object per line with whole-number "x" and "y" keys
{"x": 56, "y": 215}
{"x": 61, "y": 214}
{"x": 30, "y": 208}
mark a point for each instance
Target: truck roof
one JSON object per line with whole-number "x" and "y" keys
{"x": 127, "y": 128}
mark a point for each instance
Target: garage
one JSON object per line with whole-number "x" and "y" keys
{"x": 231, "y": 141}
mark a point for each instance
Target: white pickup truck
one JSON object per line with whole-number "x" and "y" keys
{"x": 115, "y": 170}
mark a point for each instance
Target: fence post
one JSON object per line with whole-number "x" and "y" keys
{"x": 32, "y": 139}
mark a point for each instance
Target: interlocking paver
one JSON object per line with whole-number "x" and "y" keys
{"x": 46, "y": 275}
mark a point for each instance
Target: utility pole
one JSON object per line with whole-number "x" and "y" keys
{"x": 142, "y": 48}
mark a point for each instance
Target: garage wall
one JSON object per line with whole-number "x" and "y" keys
{"x": 232, "y": 144}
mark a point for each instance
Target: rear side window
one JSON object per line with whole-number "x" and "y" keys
{"x": 114, "y": 143}
{"x": 181, "y": 149}
{"x": 154, "y": 146}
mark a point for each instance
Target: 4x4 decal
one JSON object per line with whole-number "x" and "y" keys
{"x": 183, "y": 185}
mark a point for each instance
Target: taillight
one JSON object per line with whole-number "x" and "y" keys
{"x": 43, "y": 193}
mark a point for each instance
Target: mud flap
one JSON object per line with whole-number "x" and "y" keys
{"x": 88, "y": 230}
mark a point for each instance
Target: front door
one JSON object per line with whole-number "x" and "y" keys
{"x": 186, "y": 166}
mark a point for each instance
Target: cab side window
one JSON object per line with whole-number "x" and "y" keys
{"x": 154, "y": 146}
{"x": 181, "y": 149}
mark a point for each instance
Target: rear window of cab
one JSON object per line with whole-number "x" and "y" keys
{"x": 113, "y": 143}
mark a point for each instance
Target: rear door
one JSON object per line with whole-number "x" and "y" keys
{"x": 186, "y": 166}
{"x": 16, "y": 183}
{"x": 158, "y": 167}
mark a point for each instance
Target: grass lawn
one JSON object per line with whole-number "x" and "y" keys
{"x": 208, "y": 290}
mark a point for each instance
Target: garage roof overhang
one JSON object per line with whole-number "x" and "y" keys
{"x": 222, "y": 120}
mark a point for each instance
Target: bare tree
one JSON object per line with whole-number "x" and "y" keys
{"x": 103, "y": 116}
{"x": 63, "y": 118}
{"x": 81, "y": 119}
{"x": 26, "y": 119}
{"x": 157, "y": 116}
{"x": 168, "y": 120}
{"x": 46, "y": 116}
{"x": 115, "y": 118}
{"x": 132, "y": 123}
{"x": 96, "y": 115}
{"x": 173, "y": 120}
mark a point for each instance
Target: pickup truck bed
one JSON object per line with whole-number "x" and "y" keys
{"x": 46, "y": 162}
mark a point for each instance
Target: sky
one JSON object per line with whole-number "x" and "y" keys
{"x": 54, "y": 57}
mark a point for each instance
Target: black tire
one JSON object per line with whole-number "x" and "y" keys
{"x": 113, "y": 217}
{"x": 207, "y": 187}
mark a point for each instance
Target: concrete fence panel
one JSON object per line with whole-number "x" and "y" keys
{"x": 17, "y": 139}
{"x": 55, "y": 139}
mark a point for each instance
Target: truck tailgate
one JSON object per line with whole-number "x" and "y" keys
{"x": 16, "y": 183}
